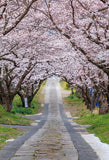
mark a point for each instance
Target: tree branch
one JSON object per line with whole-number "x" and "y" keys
{"x": 20, "y": 18}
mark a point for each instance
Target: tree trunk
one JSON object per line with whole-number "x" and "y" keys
{"x": 30, "y": 98}
{"x": 22, "y": 99}
{"x": 104, "y": 106}
{"x": 72, "y": 92}
{"x": 7, "y": 103}
{"x": 79, "y": 93}
{"x": 108, "y": 95}
{"x": 29, "y": 103}
{"x": 1, "y": 100}
{"x": 86, "y": 97}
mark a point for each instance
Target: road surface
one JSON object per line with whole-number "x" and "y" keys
{"x": 54, "y": 137}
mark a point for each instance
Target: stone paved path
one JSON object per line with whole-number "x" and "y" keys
{"x": 52, "y": 141}
{"x": 58, "y": 138}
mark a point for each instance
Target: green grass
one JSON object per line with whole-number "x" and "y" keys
{"x": 99, "y": 125}
{"x": 36, "y": 104}
{"x": 72, "y": 99}
{"x": 8, "y": 133}
{"x": 10, "y": 118}
{"x": 15, "y": 119}
{"x": 65, "y": 85}
{"x": 17, "y": 101}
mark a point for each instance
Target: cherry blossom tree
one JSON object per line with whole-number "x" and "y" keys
{"x": 12, "y": 13}
{"x": 85, "y": 25}
{"x": 87, "y": 76}
{"x": 67, "y": 38}
{"x": 10, "y": 84}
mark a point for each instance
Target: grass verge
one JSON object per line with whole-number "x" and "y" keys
{"x": 99, "y": 123}
{"x": 14, "y": 119}
{"x": 74, "y": 104}
{"x": 8, "y": 133}
{"x": 10, "y": 118}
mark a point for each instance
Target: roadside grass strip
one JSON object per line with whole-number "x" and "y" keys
{"x": 7, "y": 133}
{"x": 12, "y": 119}
{"x": 99, "y": 123}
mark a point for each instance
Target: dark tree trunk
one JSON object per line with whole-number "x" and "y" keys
{"x": 104, "y": 108}
{"x": 104, "y": 101}
{"x": 79, "y": 93}
{"x": 85, "y": 95}
{"x": 22, "y": 99}
{"x": 104, "y": 105}
{"x": 108, "y": 95}
{"x": 30, "y": 98}
{"x": 1, "y": 100}
{"x": 29, "y": 103}
{"x": 72, "y": 92}
{"x": 7, "y": 103}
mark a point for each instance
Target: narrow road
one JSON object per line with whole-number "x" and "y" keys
{"x": 55, "y": 137}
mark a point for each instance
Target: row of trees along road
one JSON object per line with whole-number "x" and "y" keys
{"x": 68, "y": 38}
